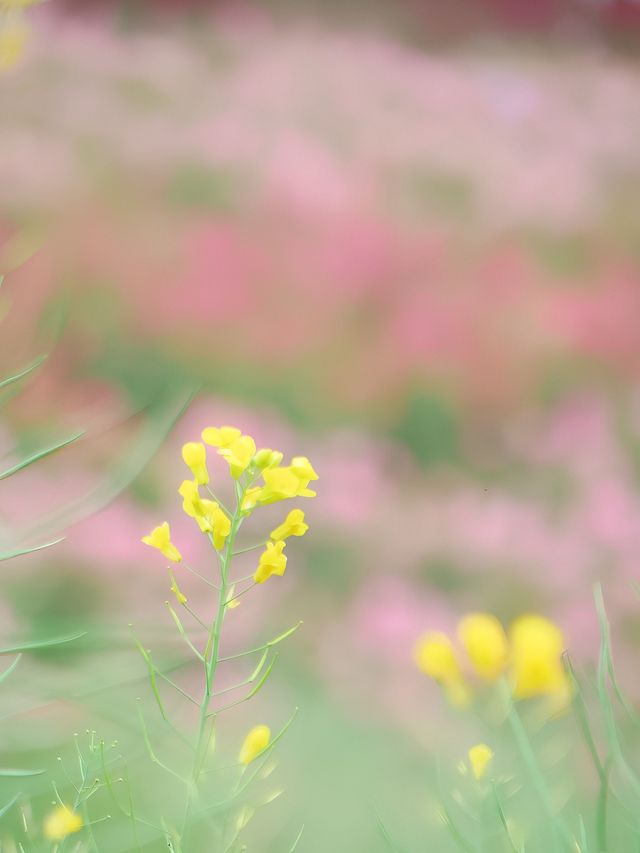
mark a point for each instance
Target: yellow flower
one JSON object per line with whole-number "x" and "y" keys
{"x": 175, "y": 589}
{"x": 61, "y": 822}
{"x": 220, "y": 436}
{"x": 272, "y": 562}
{"x": 435, "y": 657}
{"x": 13, "y": 40}
{"x": 293, "y": 525}
{"x": 195, "y": 457}
{"x": 480, "y": 757}
{"x": 267, "y": 458}
{"x": 290, "y": 481}
{"x": 208, "y": 515}
{"x": 221, "y": 525}
{"x": 160, "y": 538}
{"x": 485, "y": 642}
{"x": 239, "y": 454}
{"x": 536, "y": 658}
{"x": 255, "y": 742}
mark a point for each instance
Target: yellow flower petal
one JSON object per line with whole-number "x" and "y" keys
{"x": 194, "y": 454}
{"x": 220, "y": 436}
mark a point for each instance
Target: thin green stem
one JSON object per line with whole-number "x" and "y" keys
{"x": 211, "y": 660}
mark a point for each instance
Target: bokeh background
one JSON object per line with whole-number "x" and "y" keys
{"x": 401, "y": 238}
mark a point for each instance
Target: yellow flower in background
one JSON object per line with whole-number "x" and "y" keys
{"x": 485, "y": 642}
{"x": 61, "y": 822}
{"x": 239, "y": 454}
{"x": 255, "y": 742}
{"x": 293, "y": 525}
{"x": 436, "y": 657}
{"x": 536, "y": 658}
{"x": 17, "y": 4}
{"x": 272, "y": 562}
{"x": 14, "y": 35}
{"x": 267, "y": 458}
{"x": 160, "y": 538}
{"x": 480, "y": 757}
{"x": 195, "y": 457}
{"x": 223, "y": 436}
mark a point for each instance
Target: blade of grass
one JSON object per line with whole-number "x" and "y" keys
{"x": 25, "y": 372}
{"x": 39, "y": 455}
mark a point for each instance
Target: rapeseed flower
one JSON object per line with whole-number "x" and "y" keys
{"x": 160, "y": 538}
{"x": 293, "y": 525}
{"x": 194, "y": 454}
{"x": 480, "y": 757}
{"x": 536, "y": 658}
{"x": 272, "y": 562}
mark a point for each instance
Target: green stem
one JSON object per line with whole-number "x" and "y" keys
{"x": 211, "y": 660}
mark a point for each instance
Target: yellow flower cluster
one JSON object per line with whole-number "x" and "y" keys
{"x": 530, "y": 657}
{"x": 14, "y": 31}
{"x": 260, "y": 479}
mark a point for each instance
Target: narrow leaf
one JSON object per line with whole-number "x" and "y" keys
{"x": 13, "y": 771}
{"x": 25, "y": 372}
{"x": 21, "y": 551}
{"x": 42, "y": 644}
{"x": 39, "y": 455}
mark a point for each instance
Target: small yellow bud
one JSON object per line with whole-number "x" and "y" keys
{"x": 485, "y": 642}
{"x": 61, "y": 822}
{"x": 160, "y": 538}
{"x": 255, "y": 742}
{"x": 175, "y": 589}
{"x": 293, "y": 525}
{"x": 480, "y": 757}
{"x": 195, "y": 457}
{"x": 267, "y": 458}
{"x": 272, "y": 562}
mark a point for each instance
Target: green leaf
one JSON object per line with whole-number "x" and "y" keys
{"x": 21, "y": 551}
{"x": 9, "y": 771}
{"x": 42, "y": 644}
{"x": 24, "y": 372}
{"x": 39, "y": 455}
{"x": 266, "y": 675}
